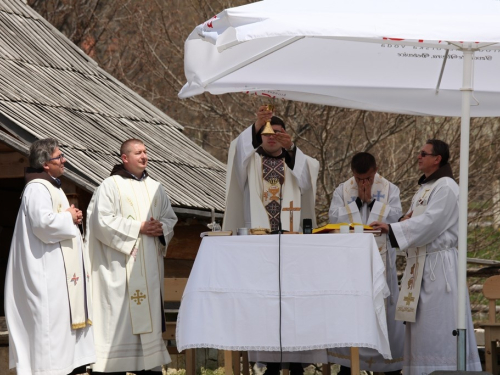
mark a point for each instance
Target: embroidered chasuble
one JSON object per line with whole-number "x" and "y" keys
{"x": 253, "y": 188}
{"x": 273, "y": 174}
{"x": 128, "y": 273}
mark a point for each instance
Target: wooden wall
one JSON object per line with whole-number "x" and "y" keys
{"x": 181, "y": 251}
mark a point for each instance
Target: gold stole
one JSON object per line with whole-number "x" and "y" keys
{"x": 406, "y": 308}
{"x": 75, "y": 280}
{"x": 140, "y": 312}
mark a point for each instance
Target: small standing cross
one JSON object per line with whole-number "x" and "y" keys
{"x": 291, "y": 209}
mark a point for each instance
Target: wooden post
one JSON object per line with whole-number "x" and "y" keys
{"x": 228, "y": 362}
{"x": 354, "y": 361}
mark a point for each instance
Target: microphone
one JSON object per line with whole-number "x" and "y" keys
{"x": 307, "y": 226}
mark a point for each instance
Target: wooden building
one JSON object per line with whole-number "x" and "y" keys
{"x": 50, "y": 88}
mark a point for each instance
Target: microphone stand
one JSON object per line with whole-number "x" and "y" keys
{"x": 280, "y": 231}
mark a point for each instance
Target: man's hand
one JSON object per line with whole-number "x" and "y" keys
{"x": 407, "y": 216}
{"x": 365, "y": 189}
{"x": 368, "y": 189}
{"x": 76, "y": 214}
{"x": 379, "y": 225}
{"x": 263, "y": 115}
{"x": 284, "y": 139}
{"x": 152, "y": 228}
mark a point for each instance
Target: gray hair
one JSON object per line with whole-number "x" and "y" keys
{"x": 41, "y": 151}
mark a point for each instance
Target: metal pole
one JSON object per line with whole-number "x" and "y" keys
{"x": 463, "y": 206}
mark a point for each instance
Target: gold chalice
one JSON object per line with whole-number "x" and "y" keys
{"x": 268, "y": 129}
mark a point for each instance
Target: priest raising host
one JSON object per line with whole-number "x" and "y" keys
{"x": 261, "y": 169}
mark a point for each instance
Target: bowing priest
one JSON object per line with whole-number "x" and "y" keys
{"x": 129, "y": 222}
{"x": 364, "y": 198}
{"x": 261, "y": 169}
{"x": 46, "y": 303}
{"x": 427, "y": 302}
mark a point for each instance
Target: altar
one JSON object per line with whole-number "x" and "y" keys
{"x": 332, "y": 294}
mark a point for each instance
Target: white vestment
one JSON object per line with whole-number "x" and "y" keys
{"x": 41, "y": 340}
{"x": 244, "y": 209}
{"x": 429, "y": 343}
{"x": 111, "y": 239}
{"x": 389, "y": 211}
{"x": 244, "y": 188}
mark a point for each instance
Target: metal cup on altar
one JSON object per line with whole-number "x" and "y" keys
{"x": 242, "y": 231}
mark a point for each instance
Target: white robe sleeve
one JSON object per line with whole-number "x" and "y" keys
{"x": 390, "y": 212}
{"x": 441, "y": 215}
{"x": 302, "y": 170}
{"x": 338, "y": 211}
{"x": 167, "y": 217}
{"x": 48, "y": 226}
{"x": 109, "y": 227}
{"x": 243, "y": 152}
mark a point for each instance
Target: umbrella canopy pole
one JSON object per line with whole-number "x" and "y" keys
{"x": 463, "y": 205}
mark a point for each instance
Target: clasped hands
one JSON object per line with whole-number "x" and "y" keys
{"x": 365, "y": 189}
{"x": 152, "y": 228}
{"x": 76, "y": 214}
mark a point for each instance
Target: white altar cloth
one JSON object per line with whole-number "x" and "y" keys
{"x": 332, "y": 286}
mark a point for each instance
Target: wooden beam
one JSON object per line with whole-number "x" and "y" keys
{"x": 12, "y": 164}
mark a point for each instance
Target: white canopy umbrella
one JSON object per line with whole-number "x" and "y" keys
{"x": 426, "y": 57}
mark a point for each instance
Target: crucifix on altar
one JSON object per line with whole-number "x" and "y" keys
{"x": 291, "y": 209}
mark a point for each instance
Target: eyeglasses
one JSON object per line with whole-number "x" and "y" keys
{"x": 60, "y": 157}
{"x": 424, "y": 154}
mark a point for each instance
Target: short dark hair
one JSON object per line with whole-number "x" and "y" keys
{"x": 125, "y": 145}
{"x": 275, "y": 120}
{"x": 440, "y": 148}
{"x": 41, "y": 151}
{"x": 362, "y": 162}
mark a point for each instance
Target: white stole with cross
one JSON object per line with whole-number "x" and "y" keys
{"x": 380, "y": 192}
{"x": 79, "y": 300}
{"x": 406, "y": 308}
{"x": 136, "y": 270}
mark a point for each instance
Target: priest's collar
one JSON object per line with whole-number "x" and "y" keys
{"x": 119, "y": 170}
{"x": 444, "y": 171}
{"x": 31, "y": 174}
{"x": 261, "y": 151}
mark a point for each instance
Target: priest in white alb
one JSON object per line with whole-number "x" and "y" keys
{"x": 129, "y": 222}
{"x": 270, "y": 180}
{"x": 47, "y": 306}
{"x": 364, "y": 198}
{"x": 427, "y": 302}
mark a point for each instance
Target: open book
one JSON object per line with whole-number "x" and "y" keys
{"x": 335, "y": 228}
{"x": 217, "y": 233}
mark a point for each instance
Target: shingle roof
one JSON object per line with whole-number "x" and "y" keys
{"x": 50, "y": 88}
